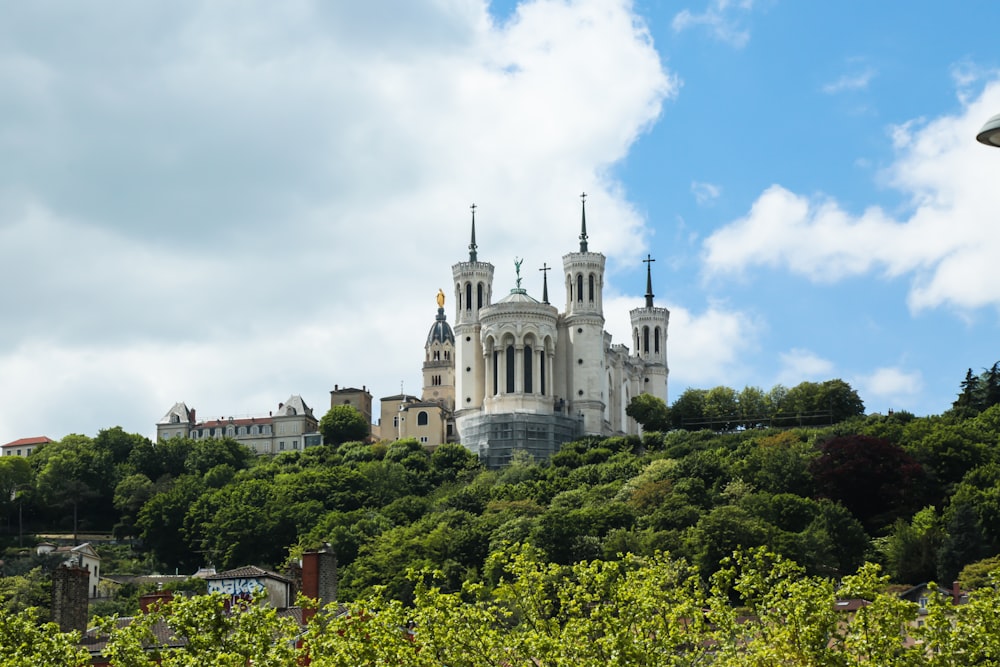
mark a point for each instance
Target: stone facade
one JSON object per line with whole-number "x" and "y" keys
{"x": 528, "y": 376}
{"x": 291, "y": 427}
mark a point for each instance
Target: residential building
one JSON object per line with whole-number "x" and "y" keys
{"x": 24, "y": 446}
{"x": 292, "y": 427}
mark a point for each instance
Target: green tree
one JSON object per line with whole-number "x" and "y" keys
{"x": 651, "y": 412}
{"x": 688, "y": 411}
{"x": 73, "y": 473}
{"x": 343, "y": 423}
{"x": 25, "y": 640}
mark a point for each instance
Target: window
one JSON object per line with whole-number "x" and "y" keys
{"x": 421, "y": 418}
{"x": 281, "y": 445}
{"x": 423, "y": 438}
{"x": 656, "y": 340}
{"x": 295, "y": 444}
{"x": 541, "y": 367}
{"x": 479, "y": 295}
{"x": 528, "y": 358}
{"x": 468, "y": 296}
{"x": 579, "y": 287}
{"x": 510, "y": 369}
{"x": 590, "y": 293}
{"x": 645, "y": 339}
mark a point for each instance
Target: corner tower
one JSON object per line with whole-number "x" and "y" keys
{"x": 582, "y": 361}
{"x": 439, "y": 360}
{"x": 473, "y": 292}
{"x": 649, "y": 336}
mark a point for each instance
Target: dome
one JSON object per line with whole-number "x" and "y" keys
{"x": 440, "y": 331}
{"x": 518, "y": 295}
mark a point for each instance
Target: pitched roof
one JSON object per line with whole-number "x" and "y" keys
{"x": 37, "y": 440}
{"x": 247, "y": 572}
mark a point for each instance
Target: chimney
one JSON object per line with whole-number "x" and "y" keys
{"x": 956, "y": 593}
{"x": 192, "y": 415}
{"x": 154, "y": 600}
{"x": 69, "y": 598}
{"x": 319, "y": 577}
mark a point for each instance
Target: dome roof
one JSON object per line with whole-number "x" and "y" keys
{"x": 440, "y": 331}
{"x": 518, "y": 295}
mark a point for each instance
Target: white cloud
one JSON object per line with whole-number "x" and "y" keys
{"x": 891, "y": 385}
{"x": 705, "y": 193}
{"x": 799, "y": 365}
{"x": 945, "y": 244}
{"x": 850, "y": 82}
{"x": 722, "y": 18}
{"x": 704, "y": 349}
{"x": 227, "y": 203}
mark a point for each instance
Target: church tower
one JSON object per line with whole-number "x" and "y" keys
{"x": 439, "y": 360}
{"x": 473, "y": 292}
{"x": 582, "y": 362}
{"x": 649, "y": 336}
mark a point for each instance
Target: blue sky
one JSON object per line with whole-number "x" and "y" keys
{"x": 227, "y": 203}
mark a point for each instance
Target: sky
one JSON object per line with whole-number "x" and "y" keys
{"x": 228, "y": 203}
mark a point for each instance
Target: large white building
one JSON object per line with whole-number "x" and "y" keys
{"x": 290, "y": 428}
{"x": 527, "y": 376}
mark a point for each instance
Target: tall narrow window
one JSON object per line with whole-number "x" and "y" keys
{"x": 579, "y": 287}
{"x": 541, "y": 371}
{"x": 528, "y": 361}
{"x": 479, "y": 295}
{"x": 645, "y": 339}
{"x": 496, "y": 364}
{"x": 510, "y": 368}
{"x": 656, "y": 340}
{"x": 468, "y": 296}
{"x": 590, "y": 293}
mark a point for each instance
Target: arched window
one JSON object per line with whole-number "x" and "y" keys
{"x": 528, "y": 359}
{"x": 579, "y": 287}
{"x": 437, "y": 355}
{"x": 496, "y": 364}
{"x": 421, "y": 418}
{"x": 541, "y": 369}
{"x": 479, "y": 295}
{"x": 635, "y": 339}
{"x": 590, "y": 293}
{"x": 468, "y": 296}
{"x": 656, "y": 340}
{"x": 510, "y": 369}
{"x": 645, "y": 339}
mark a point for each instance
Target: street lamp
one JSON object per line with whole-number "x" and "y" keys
{"x": 990, "y": 134}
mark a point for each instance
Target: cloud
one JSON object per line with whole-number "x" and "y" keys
{"x": 704, "y": 349}
{"x": 705, "y": 193}
{"x": 944, "y": 243}
{"x": 799, "y": 365}
{"x": 228, "y": 203}
{"x": 850, "y": 82}
{"x": 891, "y": 385}
{"x": 722, "y": 18}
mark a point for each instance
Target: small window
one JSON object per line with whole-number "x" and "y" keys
{"x": 421, "y": 418}
{"x": 281, "y": 445}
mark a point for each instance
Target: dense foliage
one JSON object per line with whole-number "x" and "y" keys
{"x": 920, "y": 496}
{"x": 757, "y": 609}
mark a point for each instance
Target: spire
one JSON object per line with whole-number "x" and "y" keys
{"x": 545, "y": 281}
{"x": 472, "y": 245}
{"x": 583, "y": 223}
{"x": 649, "y": 281}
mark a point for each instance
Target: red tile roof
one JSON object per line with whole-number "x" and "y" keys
{"x": 39, "y": 440}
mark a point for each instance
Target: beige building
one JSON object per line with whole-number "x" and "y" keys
{"x": 360, "y": 400}
{"x": 24, "y": 446}
{"x": 291, "y": 427}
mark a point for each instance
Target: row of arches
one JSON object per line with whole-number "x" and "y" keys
{"x": 518, "y": 366}
{"x": 469, "y": 294}
{"x": 579, "y": 286}
{"x": 647, "y": 339}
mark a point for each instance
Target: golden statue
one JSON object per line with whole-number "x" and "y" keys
{"x": 440, "y": 298}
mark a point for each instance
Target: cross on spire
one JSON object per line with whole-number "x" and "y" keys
{"x": 472, "y": 245}
{"x": 649, "y": 280}
{"x": 583, "y": 223}
{"x": 545, "y": 281}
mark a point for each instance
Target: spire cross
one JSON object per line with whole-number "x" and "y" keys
{"x": 472, "y": 244}
{"x": 649, "y": 280}
{"x": 545, "y": 281}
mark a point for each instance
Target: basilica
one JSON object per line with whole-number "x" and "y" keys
{"x": 516, "y": 373}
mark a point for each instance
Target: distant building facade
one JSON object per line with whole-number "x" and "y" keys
{"x": 24, "y": 446}
{"x": 292, "y": 427}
